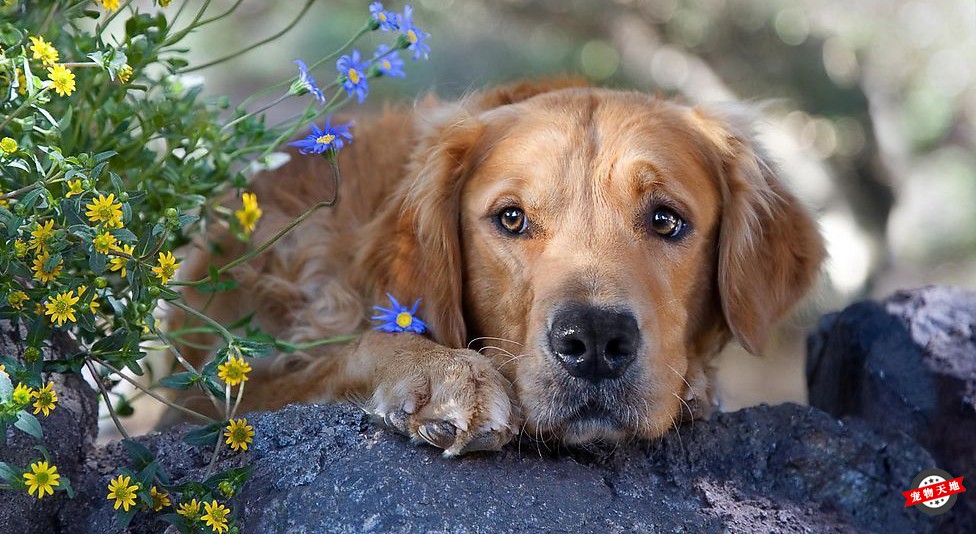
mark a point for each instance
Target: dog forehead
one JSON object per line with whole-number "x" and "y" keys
{"x": 611, "y": 139}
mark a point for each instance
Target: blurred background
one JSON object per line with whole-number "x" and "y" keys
{"x": 870, "y": 111}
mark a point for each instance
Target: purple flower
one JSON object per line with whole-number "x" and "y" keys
{"x": 352, "y": 73}
{"x": 388, "y": 62}
{"x": 305, "y": 83}
{"x": 415, "y": 37}
{"x": 387, "y": 21}
{"x": 399, "y": 318}
{"x": 323, "y": 140}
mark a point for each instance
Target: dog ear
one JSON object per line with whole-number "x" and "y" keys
{"x": 769, "y": 248}
{"x": 413, "y": 249}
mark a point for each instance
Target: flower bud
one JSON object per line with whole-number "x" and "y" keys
{"x": 101, "y": 283}
{"x": 31, "y": 354}
{"x": 226, "y": 489}
{"x": 170, "y": 213}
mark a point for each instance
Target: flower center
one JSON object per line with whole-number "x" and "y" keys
{"x": 386, "y": 64}
{"x": 381, "y": 17}
{"x": 353, "y": 75}
{"x": 411, "y": 36}
{"x": 41, "y": 478}
{"x": 61, "y": 307}
{"x": 105, "y": 212}
{"x": 325, "y": 139}
{"x": 404, "y": 319}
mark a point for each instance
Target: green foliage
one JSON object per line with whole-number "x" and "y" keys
{"x": 111, "y": 160}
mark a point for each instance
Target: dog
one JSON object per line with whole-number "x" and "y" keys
{"x": 581, "y": 255}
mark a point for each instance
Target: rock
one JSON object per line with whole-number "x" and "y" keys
{"x": 905, "y": 365}
{"x": 329, "y": 469}
{"x": 69, "y": 435}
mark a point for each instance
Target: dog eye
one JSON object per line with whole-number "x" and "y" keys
{"x": 512, "y": 220}
{"x": 666, "y": 223}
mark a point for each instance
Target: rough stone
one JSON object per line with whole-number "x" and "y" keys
{"x": 69, "y": 433}
{"x": 329, "y": 469}
{"x": 905, "y": 365}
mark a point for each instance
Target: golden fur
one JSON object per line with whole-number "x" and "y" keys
{"x": 418, "y": 193}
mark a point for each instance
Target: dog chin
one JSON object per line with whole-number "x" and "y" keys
{"x": 591, "y": 429}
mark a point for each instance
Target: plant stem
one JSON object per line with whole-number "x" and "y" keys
{"x": 228, "y": 337}
{"x": 145, "y": 390}
{"x": 108, "y": 402}
{"x": 262, "y": 42}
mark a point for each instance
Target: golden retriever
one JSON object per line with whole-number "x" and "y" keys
{"x": 598, "y": 246}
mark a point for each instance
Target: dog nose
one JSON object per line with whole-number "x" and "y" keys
{"x": 594, "y": 343}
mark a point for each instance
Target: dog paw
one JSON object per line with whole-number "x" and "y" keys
{"x": 452, "y": 399}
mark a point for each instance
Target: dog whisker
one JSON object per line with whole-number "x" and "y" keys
{"x": 475, "y": 340}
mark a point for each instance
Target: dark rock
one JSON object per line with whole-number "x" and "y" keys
{"x": 905, "y": 365}
{"x": 329, "y": 469}
{"x": 69, "y": 435}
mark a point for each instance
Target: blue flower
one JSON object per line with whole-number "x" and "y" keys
{"x": 352, "y": 73}
{"x": 305, "y": 83}
{"x": 388, "y": 62}
{"x": 415, "y": 37}
{"x": 399, "y": 318}
{"x": 328, "y": 138}
{"x": 387, "y": 21}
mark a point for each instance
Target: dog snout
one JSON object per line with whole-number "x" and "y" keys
{"x": 594, "y": 343}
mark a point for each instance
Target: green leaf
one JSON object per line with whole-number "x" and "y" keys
{"x": 66, "y": 487}
{"x": 254, "y": 349}
{"x": 102, "y": 156}
{"x": 141, "y": 456}
{"x": 6, "y": 388}
{"x": 29, "y": 425}
{"x": 31, "y": 198}
{"x": 205, "y": 436}
{"x": 179, "y": 381}
{"x": 10, "y": 474}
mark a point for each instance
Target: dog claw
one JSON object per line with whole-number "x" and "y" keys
{"x": 440, "y": 434}
{"x": 397, "y": 420}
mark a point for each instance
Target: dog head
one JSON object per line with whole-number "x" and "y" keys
{"x": 600, "y": 246}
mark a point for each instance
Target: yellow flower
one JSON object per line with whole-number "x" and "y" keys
{"x": 239, "y": 434}
{"x": 3, "y": 201}
{"x": 122, "y": 492}
{"x": 43, "y": 275}
{"x": 216, "y": 516}
{"x": 105, "y": 209}
{"x": 3, "y": 369}
{"x": 117, "y": 263}
{"x": 8, "y": 145}
{"x": 160, "y": 499}
{"x": 233, "y": 371}
{"x": 21, "y": 82}
{"x": 20, "y": 248}
{"x": 44, "y": 51}
{"x": 250, "y": 213}
{"x": 22, "y": 395}
{"x": 61, "y": 308}
{"x": 93, "y": 305}
{"x": 74, "y": 188}
{"x": 46, "y": 399}
{"x": 109, "y": 5}
{"x": 104, "y": 242}
{"x": 63, "y": 79}
{"x": 189, "y": 510}
{"x": 41, "y": 235}
{"x": 167, "y": 267}
{"x": 42, "y": 479}
{"x": 16, "y": 299}
{"x": 125, "y": 73}
{"x": 164, "y": 3}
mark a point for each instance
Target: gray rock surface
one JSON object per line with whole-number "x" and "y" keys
{"x": 905, "y": 365}
{"x": 69, "y": 433}
{"x": 329, "y": 469}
